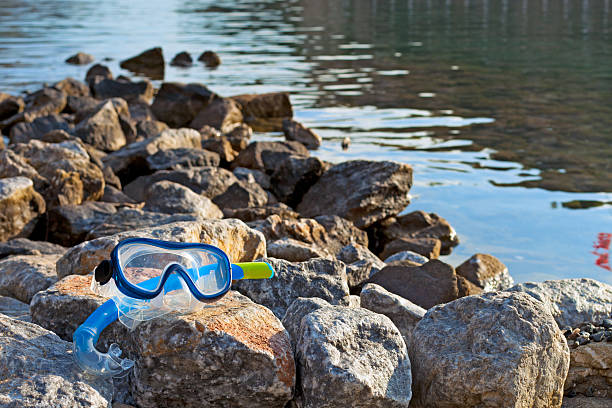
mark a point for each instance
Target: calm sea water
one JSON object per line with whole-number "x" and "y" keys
{"x": 451, "y": 87}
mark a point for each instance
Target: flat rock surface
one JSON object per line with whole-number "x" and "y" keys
{"x": 590, "y": 371}
{"x": 14, "y": 309}
{"x": 173, "y": 198}
{"x": 486, "y": 272}
{"x": 21, "y": 276}
{"x": 38, "y": 371}
{"x": 492, "y": 350}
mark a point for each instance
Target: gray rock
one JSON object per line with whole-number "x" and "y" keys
{"x": 402, "y": 312}
{"x": 102, "y": 129}
{"x": 320, "y": 278}
{"x": 149, "y": 62}
{"x": 268, "y": 156}
{"x": 72, "y": 87}
{"x": 249, "y": 175}
{"x": 38, "y": 371}
{"x": 221, "y": 114}
{"x": 14, "y": 165}
{"x": 242, "y": 195}
{"x": 296, "y": 311}
{"x": 342, "y": 231}
{"x": 21, "y": 276}
{"x": 146, "y": 129}
{"x": 495, "y": 349}
{"x": 571, "y": 301}
{"x": 260, "y": 213}
{"x": 294, "y": 130}
{"x": 222, "y": 147}
{"x": 354, "y": 301}
{"x": 172, "y": 198}
{"x": 378, "y": 190}
{"x": 208, "y": 181}
{"x": 23, "y": 246}
{"x": 69, "y": 225}
{"x": 39, "y": 127}
{"x": 20, "y": 207}
{"x": 590, "y": 370}
{"x": 352, "y": 357}
{"x": 141, "y": 91}
{"x": 294, "y": 177}
{"x": 407, "y": 256}
{"x": 585, "y": 402}
{"x": 116, "y": 196}
{"x": 14, "y": 309}
{"x": 360, "y": 262}
{"x": 80, "y": 58}
{"x": 178, "y": 104}
{"x": 294, "y": 251}
{"x": 80, "y": 105}
{"x": 486, "y": 272}
{"x": 182, "y": 158}
{"x": 46, "y": 101}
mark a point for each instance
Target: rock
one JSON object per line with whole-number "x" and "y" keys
{"x": 207, "y": 181}
{"x": 20, "y": 207}
{"x": 182, "y": 59}
{"x": 80, "y": 58}
{"x": 571, "y": 301}
{"x": 495, "y": 349}
{"x": 221, "y": 113}
{"x": 249, "y": 175}
{"x": 428, "y": 247}
{"x": 342, "y": 232}
{"x": 242, "y": 195}
{"x": 65, "y": 188}
{"x": 354, "y": 301}
{"x": 222, "y": 147}
{"x": 23, "y": 246}
{"x": 352, "y": 357}
{"x": 46, "y": 101}
{"x": 97, "y": 71}
{"x": 241, "y": 243}
{"x": 127, "y": 219}
{"x": 21, "y": 276}
{"x": 428, "y": 285}
{"x": 69, "y": 225}
{"x": 419, "y": 225}
{"x": 210, "y": 58}
{"x": 70, "y": 157}
{"x": 102, "y": 129}
{"x": 300, "y": 307}
{"x": 407, "y": 256}
{"x": 294, "y": 251}
{"x": 130, "y": 91}
{"x": 39, "y": 371}
{"x": 322, "y": 278}
{"x": 267, "y": 156}
{"x": 378, "y": 190}
{"x": 79, "y": 105}
{"x": 14, "y": 309}
{"x": 147, "y": 129}
{"x": 239, "y": 136}
{"x": 590, "y": 371}
{"x": 269, "y": 105}
{"x": 585, "y": 402}
{"x": 150, "y": 63}
{"x": 114, "y": 195}
{"x": 57, "y": 136}
{"x": 360, "y": 262}
{"x": 13, "y": 165}
{"x": 172, "y": 198}
{"x": 178, "y": 104}
{"x": 294, "y": 177}
{"x": 24, "y": 132}
{"x": 467, "y": 288}
{"x": 294, "y": 130}
{"x": 10, "y": 106}
{"x": 402, "y": 312}
{"x": 72, "y": 87}
{"x": 130, "y": 162}
{"x": 486, "y": 272}
{"x": 260, "y": 213}
{"x": 182, "y": 158}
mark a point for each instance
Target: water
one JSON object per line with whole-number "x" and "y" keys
{"x": 451, "y": 87}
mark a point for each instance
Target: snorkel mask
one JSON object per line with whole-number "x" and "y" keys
{"x": 147, "y": 278}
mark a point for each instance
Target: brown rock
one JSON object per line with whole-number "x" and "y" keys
{"x": 114, "y": 195}
{"x": 294, "y": 130}
{"x": 222, "y": 147}
{"x": 467, "y": 288}
{"x": 294, "y": 251}
{"x": 342, "y": 231}
{"x": 590, "y": 371}
{"x": 147, "y": 129}
{"x": 20, "y": 207}
{"x": 486, "y": 272}
{"x": 10, "y": 106}
{"x": 294, "y": 177}
{"x": 242, "y": 195}
{"x": 239, "y": 136}
{"x": 178, "y": 104}
{"x": 269, "y": 105}
{"x": 72, "y": 87}
{"x": 150, "y": 63}
{"x": 260, "y": 213}
{"x": 69, "y": 225}
{"x": 210, "y": 58}
{"x": 268, "y": 156}
{"x": 182, "y": 158}
{"x": 428, "y": 247}
{"x": 221, "y": 114}
{"x": 80, "y": 58}
{"x": 97, "y": 70}
{"x": 173, "y": 198}
{"x": 130, "y": 91}
{"x": 21, "y": 276}
{"x": 102, "y": 129}
{"x": 182, "y": 59}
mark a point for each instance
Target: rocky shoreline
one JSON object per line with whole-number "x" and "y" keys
{"x": 361, "y": 312}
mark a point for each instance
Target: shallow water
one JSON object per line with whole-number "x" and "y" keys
{"x": 450, "y": 87}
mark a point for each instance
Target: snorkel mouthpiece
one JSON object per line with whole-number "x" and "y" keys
{"x": 84, "y": 340}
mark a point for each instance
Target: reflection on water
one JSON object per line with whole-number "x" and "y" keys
{"x": 452, "y": 87}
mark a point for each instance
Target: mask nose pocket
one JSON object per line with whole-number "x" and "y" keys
{"x": 176, "y": 295}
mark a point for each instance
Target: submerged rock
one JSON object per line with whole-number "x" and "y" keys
{"x": 38, "y": 371}
{"x": 80, "y": 58}
{"x": 320, "y": 278}
{"x": 20, "y": 207}
{"x": 495, "y": 349}
{"x": 210, "y": 58}
{"x": 377, "y": 190}
{"x": 21, "y": 276}
{"x": 182, "y": 59}
{"x": 352, "y": 357}
{"x": 150, "y": 63}
{"x": 486, "y": 272}
{"x": 572, "y": 301}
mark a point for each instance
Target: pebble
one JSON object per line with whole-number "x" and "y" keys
{"x": 588, "y": 332}
{"x": 598, "y": 336}
{"x": 607, "y": 323}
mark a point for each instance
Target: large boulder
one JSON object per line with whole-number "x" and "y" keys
{"x": 21, "y": 276}
{"x": 102, "y": 129}
{"x": 23, "y": 246}
{"x": 571, "y": 301}
{"x": 172, "y": 198}
{"x": 486, "y": 272}
{"x": 402, "y": 312}
{"x": 69, "y": 225}
{"x": 221, "y": 114}
{"x": 491, "y": 350}
{"x": 352, "y": 357}
{"x": 207, "y": 180}
{"x": 132, "y": 92}
{"x": 265, "y": 106}
{"x": 150, "y": 63}
{"x": 300, "y": 307}
{"x": 38, "y": 371}
{"x": 294, "y": 176}
{"x": 378, "y": 190}
{"x": 590, "y": 371}
{"x": 20, "y": 207}
{"x": 320, "y": 278}
{"x": 241, "y": 243}
{"x": 178, "y": 104}
{"x": 268, "y": 156}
